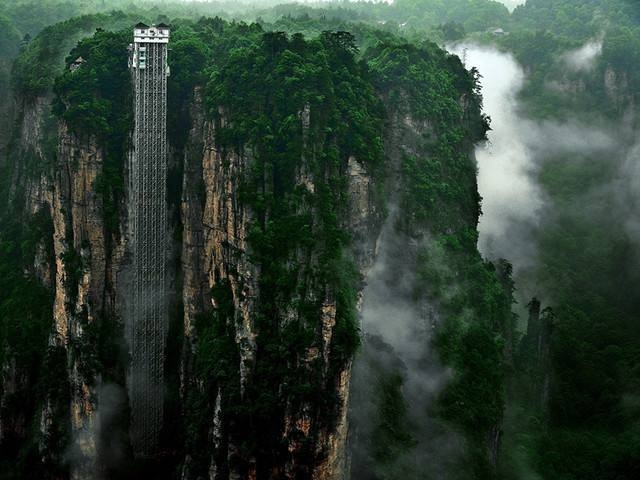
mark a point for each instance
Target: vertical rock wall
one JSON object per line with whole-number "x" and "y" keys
{"x": 83, "y": 275}
{"x": 215, "y": 250}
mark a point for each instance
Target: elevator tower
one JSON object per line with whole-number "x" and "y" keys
{"x": 148, "y": 320}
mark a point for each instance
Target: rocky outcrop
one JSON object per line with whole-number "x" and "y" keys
{"x": 29, "y": 193}
{"x": 79, "y": 247}
{"x": 535, "y": 353}
{"x": 215, "y": 251}
{"x": 89, "y": 278}
{"x": 615, "y": 85}
{"x": 225, "y": 254}
{"x": 88, "y": 275}
{"x": 78, "y": 262}
{"x": 195, "y": 293}
{"x": 365, "y": 214}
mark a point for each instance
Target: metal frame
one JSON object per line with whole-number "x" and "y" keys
{"x": 149, "y": 322}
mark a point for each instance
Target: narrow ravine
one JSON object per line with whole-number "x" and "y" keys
{"x": 397, "y": 374}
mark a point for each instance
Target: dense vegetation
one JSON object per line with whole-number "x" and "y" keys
{"x": 584, "y": 426}
{"x": 298, "y": 239}
{"x": 439, "y": 205}
{"x": 25, "y": 326}
{"x": 587, "y": 425}
{"x": 94, "y": 100}
{"x": 346, "y": 119}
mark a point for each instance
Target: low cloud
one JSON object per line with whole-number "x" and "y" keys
{"x": 515, "y": 205}
{"x": 397, "y": 341}
{"x": 507, "y": 168}
{"x": 583, "y": 58}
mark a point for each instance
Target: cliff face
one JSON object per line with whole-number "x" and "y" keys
{"x": 85, "y": 273}
{"x": 281, "y": 205}
{"x": 79, "y": 264}
{"x": 215, "y": 252}
{"x": 79, "y": 282}
{"x": 85, "y": 282}
{"x": 16, "y": 377}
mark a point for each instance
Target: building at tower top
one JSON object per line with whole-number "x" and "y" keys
{"x": 151, "y": 34}
{"x": 144, "y": 36}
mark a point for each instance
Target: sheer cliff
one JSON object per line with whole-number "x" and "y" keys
{"x": 287, "y": 156}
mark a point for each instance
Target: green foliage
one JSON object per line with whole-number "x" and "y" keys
{"x": 452, "y": 31}
{"x": 477, "y": 311}
{"x": 440, "y": 196}
{"x": 474, "y": 15}
{"x": 217, "y": 356}
{"x": 9, "y": 43}
{"x": 590, "y": 453}
{"x": 38, "y": 65}
{"x": 95, "y": 100}
{"x": 298, "y": 239}
{"x": 426, "y": 83}
{"x": 189, "y": 56}
{"x": 25, "y": 306}
{"x": 587, "y": 371}
{"x": 216, "y": 366}
{"x": 588, "y": 257}
{"x": 406, "y": 17}
{"x": 391, "y": 432}
{"x": 265, "y": 89}
{"x": 381, "y": 426}
{"x": 543, "y": 31}
{"x": 579, "y": 20}
{"x": 264, "y": 82}
{"x": 621, "y": 51}
{"x": 475, "y": 398}
{"x": 25, "y": 325}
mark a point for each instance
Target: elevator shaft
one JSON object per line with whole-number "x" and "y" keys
{"x": 148, "y": 322}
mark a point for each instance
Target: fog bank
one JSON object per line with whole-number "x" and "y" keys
{"x": 397, "y": 331}
{"x": 512, "y": 200}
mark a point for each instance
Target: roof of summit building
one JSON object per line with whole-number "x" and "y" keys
{"x": 163, "y": 25}
{"x": 141, "y": 25}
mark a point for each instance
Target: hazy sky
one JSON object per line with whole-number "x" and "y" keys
{"x": 511, "y": 4}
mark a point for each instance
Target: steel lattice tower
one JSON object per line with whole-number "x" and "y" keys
{"x": 148, "y": 322}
